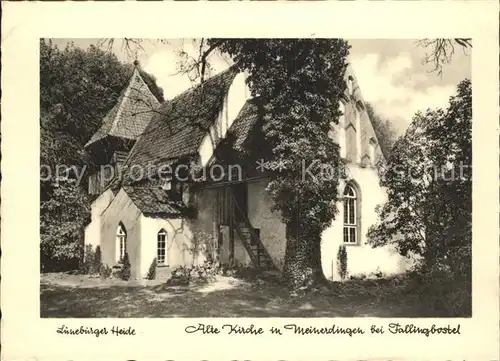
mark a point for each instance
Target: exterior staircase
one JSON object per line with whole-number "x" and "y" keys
{"x": 251, "y": 238}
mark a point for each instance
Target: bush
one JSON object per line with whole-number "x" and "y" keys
{"x": 84, "y": 268}
{"x": 97, "y": 261}
{"x": 92, "y": 263}
{"x": 88, "y": 260}
{"x": 152, "y": 270}
{"x": 63, "y": 212}
{"x": 342, "y": 262}
{"x": 376, "y": 274}
{"x": 116, "y": 271}
{"x": 179, "y": 276}
{"x": 105, "y": 271}
{"x": 203, "y": 244}
{"x": 444, "y": 291}
{"x": 359, "y": 277}
{"x": 204, "y": 273}
{"x": 125, "y": 270}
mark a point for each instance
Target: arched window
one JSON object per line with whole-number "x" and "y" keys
{"x": 121, "y": 242}
{"x": 161, "y": 247}
{"x": 351, "y": 215}
{"x": 350, "y": 85}
{"x": 372, "y": 146}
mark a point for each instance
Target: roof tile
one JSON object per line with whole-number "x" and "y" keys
{"x": 131, "y": 113}
{"x": 178, "y": 126}
{"x": 154, "y": 201}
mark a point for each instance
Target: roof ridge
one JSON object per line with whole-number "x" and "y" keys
{"x": 196, "y": 86}
{"x": 118, "y": 103}
{"x": 139, "y": 69}
{"x": 122, "y": 100}
{"x": 116, "y": 122}
{"x": 169, "y": 134}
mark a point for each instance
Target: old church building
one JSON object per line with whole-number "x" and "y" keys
{"x": 194, "y": 213}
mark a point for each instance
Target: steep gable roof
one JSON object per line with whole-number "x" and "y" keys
{"x": 356, "y": 103}
{"x": 131, "y": 113}
{"x": 179, "y": 125}
{"x": 151, "y": 201}
{"x": 243, "y": 124}
{"x": 248, "y": 116}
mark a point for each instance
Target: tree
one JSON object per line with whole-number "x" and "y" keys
{"x": 299, "y": 82}
{"x": 152, "y": 270}
{"x": 442, "y": 50}
{"x": 77, "y": 88}
{"x": 124, "y": 272}
{"x": 428, "y": 179}
{"x": 82, "y": 85}
{"x": 62, "y": 215}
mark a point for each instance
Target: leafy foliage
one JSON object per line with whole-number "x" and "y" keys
{"x": 384, "y": 130}
{"x": 429, "y": 183}
{"x": 204, "y": 273}
{"x": 105, "y": 271}
{"x": 85, "y": 265}
{"x": 62, "y": 214}
{"x": 84, "y": 85}
{"x": 342, "y": 261}
{"x": 77, "y": 88}
{"x": 448, "y": 293}
{"x": 299, "y": 82}
{"x": 202, "y": 244}
{"x": 124, "y": 273}
{"x": 97, "y": 261}
{"x": 92, "y": 262}
{"x": 152, "y": 270}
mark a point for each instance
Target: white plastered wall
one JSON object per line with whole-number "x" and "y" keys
{"x": 234, "y": 100}
{"x": 97, "y": 208}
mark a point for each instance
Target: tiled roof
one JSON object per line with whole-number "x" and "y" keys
{"x": 243, "y": 124}
{"x": 178, "y": 126}
{"x": 131, "y": 113}
{"x": 151, "y": 199}
{"x": 154, "y": 201}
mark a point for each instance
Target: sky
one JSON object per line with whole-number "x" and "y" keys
{"x": 390, "y": 72}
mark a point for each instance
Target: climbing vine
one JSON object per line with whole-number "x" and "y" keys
{"x": 299, "y": 83}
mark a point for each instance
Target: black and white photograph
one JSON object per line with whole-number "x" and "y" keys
{"x": 255, "y": 177}
{"x": 250, "y": 180}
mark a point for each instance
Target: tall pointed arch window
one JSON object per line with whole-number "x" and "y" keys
{"x": 372, "y": 146}
{"x": 161, "y": 247}
{"x": 350, "y": 85}
{"x": 121, "y": 242}
{"x": 351, "y": 215}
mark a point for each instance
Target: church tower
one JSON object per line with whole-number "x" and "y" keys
{"x": 121, "y": 127}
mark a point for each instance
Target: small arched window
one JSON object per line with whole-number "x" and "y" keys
{"x": 350, "y": 85}
{"x": 372, "y": 146}
{"x": 161, "y": 247}
{"x": 351, "y": 223}
{"x": 121, "y": 242}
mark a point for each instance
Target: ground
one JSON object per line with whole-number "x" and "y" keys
{"x": 65, "y": 295}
